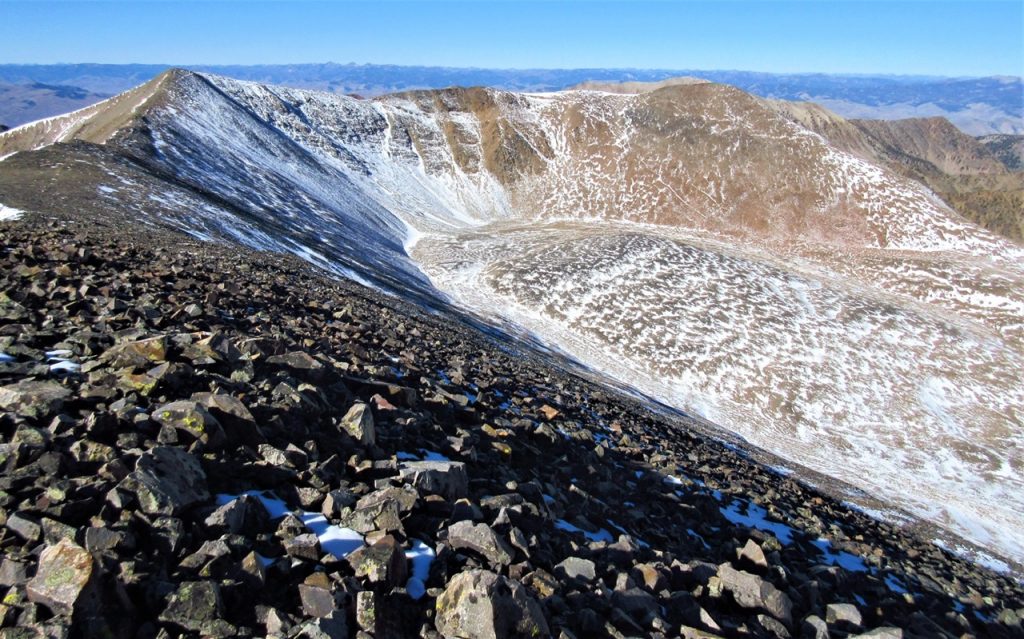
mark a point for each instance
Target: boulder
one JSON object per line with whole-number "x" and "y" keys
{"x": 751, "y": 591}
{"x": 24, "y": 527}
{"x": 305, "y": 546}
{"x": 814, "y": 627}
{"x": 886, "y": 632}
{"x": 445, "y": 478}
{"x": 478, "y": 604}
{"x": 358, "y": 422}
{"x": 480, "y": 538}
{"x": 405, "y": 496}
{"x": 136, "y": 354}
{"x": 576, "y": 568}
{"x": 842, "y": 613}
{"x": 166, "y": 481}
{"x": 299, "y": 362}
{"x": 316, "y": 600}
{"x": 245, "y": 515}
{"x": 63, "y": 581}
{"x": 333, "y": 626}
{"x": 636, "y": 602}
{"x": 239, "y": 424}
{"x": 33, "y": 398}
{"x": 753, "y": 554}
{"x": 382, "y": 563}
{"x": 192, "y": 419}
{"x": 197, "y": 606}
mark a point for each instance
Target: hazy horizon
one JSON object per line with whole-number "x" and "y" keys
{"x": 948, "y": 39}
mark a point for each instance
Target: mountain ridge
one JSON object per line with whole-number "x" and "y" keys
{"x": 470, "y": 193}
{"x": 977, "y": 105}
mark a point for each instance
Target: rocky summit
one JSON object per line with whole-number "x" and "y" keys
{"x": 205, "y": 440}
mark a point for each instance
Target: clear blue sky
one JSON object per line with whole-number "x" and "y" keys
{"x": 917, "y": 37}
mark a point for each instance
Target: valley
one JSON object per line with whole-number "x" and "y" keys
{"x": 689, "y": 241}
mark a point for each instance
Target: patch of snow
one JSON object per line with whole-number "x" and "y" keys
{"x": 600, "y": 535}
{"x": 4, "y": 358}
{"x": 424, "y": 455}
{"x": 845, "y": 560}
{"x": 8, "y": 213}
{"x": 757, "y": 517}
{"x": 895, "y": 585}
{"x": 65, "y": 366}
{"x": 421, "y": 555}
{"x": 337, "y": 540}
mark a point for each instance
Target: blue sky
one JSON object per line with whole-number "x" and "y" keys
{"x": 917, "y": 37}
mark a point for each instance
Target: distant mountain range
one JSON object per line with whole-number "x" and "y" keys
{"x": 978, "y": 106}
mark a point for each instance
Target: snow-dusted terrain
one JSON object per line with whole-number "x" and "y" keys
{"x": 689, "y": 242}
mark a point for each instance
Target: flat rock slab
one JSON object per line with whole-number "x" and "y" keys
{"x": 63, "y": 577}
{"x": 33, "y": 398}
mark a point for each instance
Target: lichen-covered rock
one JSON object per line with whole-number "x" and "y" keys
{"x": 166, "y": 481}
{"x": 197, "y": 606}
{"x": 382, "y": 563}
{"x": 193, "y": 420}
{"x": 137, "y": 354}
{"x": 366, "y": 610}
{"x": 358, "y": 422}
{"x": 478, "y": 604}
{"x": 64, "y": 577}
{"x": 33, "y": 398}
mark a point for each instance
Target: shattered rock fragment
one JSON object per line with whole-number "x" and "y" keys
{"x": 479, "y": 604}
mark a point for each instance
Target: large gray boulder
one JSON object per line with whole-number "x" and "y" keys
{"x": 751, "y": 591}
{"x": 479, "y": 604}
{"x": 166, "y": 481}
{"x": 445, "y": 478}
{"x": 482, "y": 539}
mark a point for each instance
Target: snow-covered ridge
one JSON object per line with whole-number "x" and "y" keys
{"x": 689, "y": 241}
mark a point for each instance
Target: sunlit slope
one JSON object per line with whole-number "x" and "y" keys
{"x": 690, "y": 240}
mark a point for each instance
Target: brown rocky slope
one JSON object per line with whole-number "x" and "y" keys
{"x": 146, "y": 373}
{"x": 979, "y": 180}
